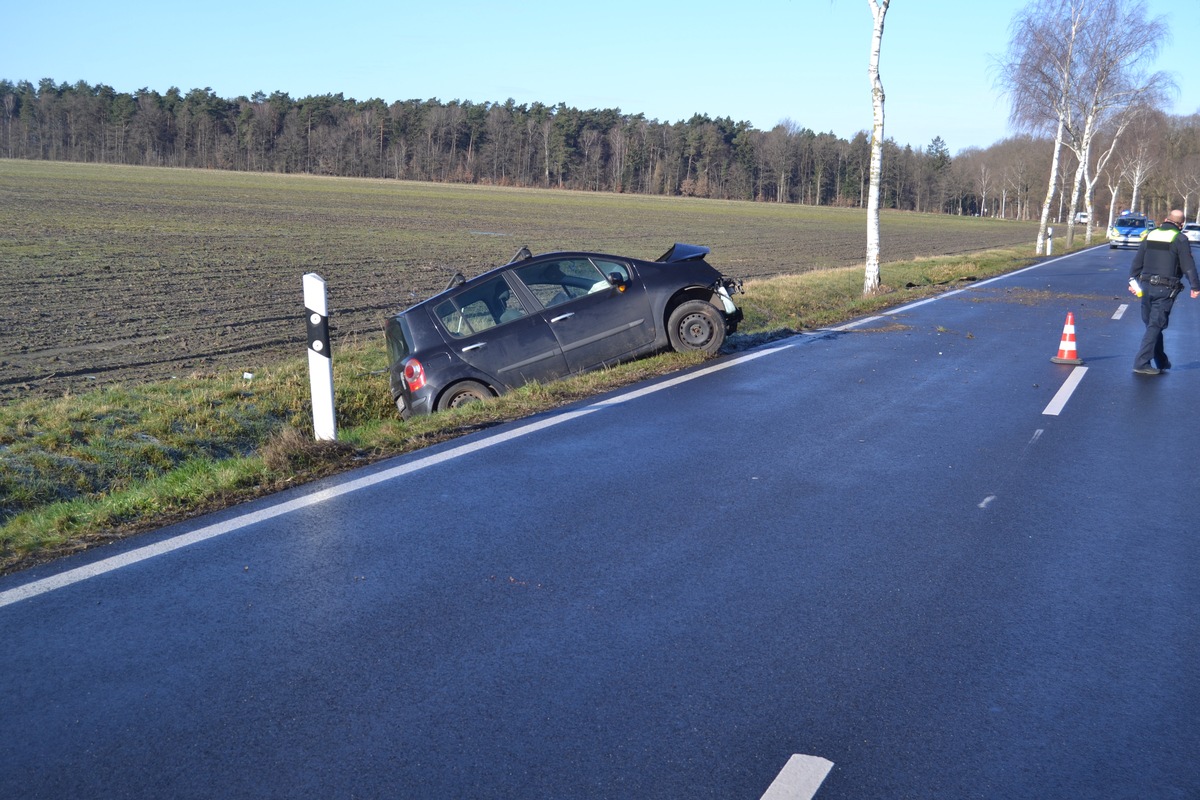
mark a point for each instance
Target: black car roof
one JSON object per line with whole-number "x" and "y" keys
{"x": 677, "y": 253}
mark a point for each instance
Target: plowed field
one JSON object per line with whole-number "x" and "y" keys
{"x": 136, "y": 274}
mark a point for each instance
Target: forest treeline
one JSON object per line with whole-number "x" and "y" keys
{"x": 506, "y": 144}
{"x": 510, "y": 144}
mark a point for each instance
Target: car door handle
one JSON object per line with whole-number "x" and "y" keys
{"x": 471, "y": 347}
{"x": 561, "y": 317}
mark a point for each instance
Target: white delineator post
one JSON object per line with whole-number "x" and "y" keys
{"x": 320, "y": 357}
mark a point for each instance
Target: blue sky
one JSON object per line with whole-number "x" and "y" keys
{"x": 762, "y": 61}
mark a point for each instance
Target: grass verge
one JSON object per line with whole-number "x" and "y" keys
{"x": 91, "y": 468}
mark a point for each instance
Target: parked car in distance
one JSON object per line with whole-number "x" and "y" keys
{"x": 1192, "y": 231}
{"x": 1081, "y": 218}
{"x": 542, "y": 317}
{"x": 1129, "y": 230}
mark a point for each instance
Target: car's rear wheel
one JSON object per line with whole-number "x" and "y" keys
{"x": 462, "y": 393}
{"x": 696, "y": 326}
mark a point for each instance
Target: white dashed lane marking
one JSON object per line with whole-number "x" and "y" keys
{"x": 1064, "y": 394}
{"x": 799, "y": 779}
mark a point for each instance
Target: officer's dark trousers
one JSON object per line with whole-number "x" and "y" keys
{"x": 1156, "y": 313}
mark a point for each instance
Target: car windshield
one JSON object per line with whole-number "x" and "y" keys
{"x": 1129, "y": 222}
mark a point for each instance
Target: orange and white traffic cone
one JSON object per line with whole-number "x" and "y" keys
{"x": 1066, "y": 349}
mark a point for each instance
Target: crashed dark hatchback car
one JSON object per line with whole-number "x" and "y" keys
{"x": 541, "y": 317}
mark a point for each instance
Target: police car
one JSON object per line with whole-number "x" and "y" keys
{"x": 1129, "y": 230}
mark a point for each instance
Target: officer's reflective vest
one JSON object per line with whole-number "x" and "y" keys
{"x": 1159, "y": 259}
{"x": 1162, "y": 235}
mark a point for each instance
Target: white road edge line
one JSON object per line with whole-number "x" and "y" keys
{"x": 69, "y": 577}
{"x": 73, "y": 576}
{"x": 1064, "y": 393}
{"x": 799, "y": 779}
{"x": 1120, "y": 312}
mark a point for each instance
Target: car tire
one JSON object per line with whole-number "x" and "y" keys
{"x": 696, "y": 326}
{"x": 461, "y": 394}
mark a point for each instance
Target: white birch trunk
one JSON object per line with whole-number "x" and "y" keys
{"x": 871, "y": 278}
{"x": 1050, "y": 189}
{"x": 1084, "y": 153}
{"x": 1092, "y": 177}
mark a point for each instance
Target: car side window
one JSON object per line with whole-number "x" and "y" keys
{"x": 556, "y": 282}
{"x": 481, "y": 307}
{"x": 610, "y": 268}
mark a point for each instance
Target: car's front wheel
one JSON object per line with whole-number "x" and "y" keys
{"x": 696, "y": 326}
{"x": 460, "y": 394}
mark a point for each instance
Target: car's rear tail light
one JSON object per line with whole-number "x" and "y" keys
{"x": 414, "y": 375}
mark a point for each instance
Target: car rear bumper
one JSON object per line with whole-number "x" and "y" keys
{"x": 418, "y": 406}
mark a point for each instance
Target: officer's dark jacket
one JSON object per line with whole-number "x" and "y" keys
{"x": 1165, "y": 252}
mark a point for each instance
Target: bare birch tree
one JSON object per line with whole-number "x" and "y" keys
{"x": 871, "y": 279}
{"x": 1039, "y": 73}
{"x": 1137, "y": 167}
{"x": 1112, "y": 86}
{"x": 1015, "y": 158}
{"x": 983, "y": 182}
{"x": 1092, "y": 176}
{"x": 1187, "y": 181}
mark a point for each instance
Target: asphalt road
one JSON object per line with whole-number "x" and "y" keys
{"x": 913, "y": 547}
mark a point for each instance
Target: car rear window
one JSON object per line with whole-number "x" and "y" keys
{"x": 399, "y": 337}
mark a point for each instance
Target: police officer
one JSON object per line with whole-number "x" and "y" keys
{"x": 1162, "y": 259}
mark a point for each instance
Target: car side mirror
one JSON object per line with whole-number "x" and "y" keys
{"x": 618, "y": 280}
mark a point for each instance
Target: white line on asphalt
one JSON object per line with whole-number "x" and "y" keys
{"x": 906, "y": 308}
{"x": 633, "y": 394}
{"x": 799, "y": 779}
{"x": 207, "y": 532}
{"x": 72, "y": 576}
{"x": 64, "y": 579}
{"x": 1064, "y": 394}
{"x": 1120, "y": 311}
{"x": 1037, "y": 435}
